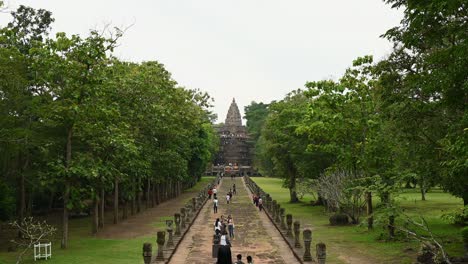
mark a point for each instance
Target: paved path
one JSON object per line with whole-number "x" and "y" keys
{"x": 254, "y": 234}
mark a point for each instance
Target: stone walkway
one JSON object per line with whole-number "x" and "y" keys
{"x": 254, "y": 233}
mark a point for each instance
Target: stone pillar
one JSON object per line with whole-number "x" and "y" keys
{"x": 147, "y": 253}
{"x": 307, "y": 235}
{"x": 273, "y": 210}
{"x": 182, "y": 217}
{"x": 267, "y": 200}
{"x": 194, "y": 204}
{"x": 277, "y": 213}
{"x": 177, "y": 224}
{"x": 321, "y": 253}
{"x": 289, "y": 220}
{"x": 188, "y": 214}
{"x": 160, "y": 240}
{"x": 170, "y": 241}
{"x": 297, "y": 226}
{"x": 283, "y": 224}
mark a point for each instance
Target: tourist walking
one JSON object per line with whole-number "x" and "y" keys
{"x": 249, "y": 260}
{"x": 239, "y": 259}
{"x": 228, "y": 198}
{"x": 230, "y": 224}
{"x": 215, "y": 191}
{"x": 256, "y": 200}
{"x": 215, "y": 205}
{"x": 217, "y": 226}
{"x": 224, "y": 250}
{"x": 210, "y": 192}
{"x": 234, "y": 188}
{"x": 224, "y": 241}
{"x": 260, "y": 204}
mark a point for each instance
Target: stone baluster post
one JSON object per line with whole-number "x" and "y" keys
{"x": 194, "y": 204}
{"x": 188, "y": 214}
{"x": 177, "y": 224}
{"x": 182, "y": 217}
{"x": 277, "y": 213}
{"x": 289, "y": 220}
{"x": 321, "y": 249}
{"x": 307, "y": 235}
{"x": 282, "y": 212}
{"x": 267, "y": 202}
{"x": 273, "y": 210}
{"x": 160, "y": 240}
{"x": 169, "y": 229}
{"x": 147, "y": 253}
{"x": 297, "y": 226}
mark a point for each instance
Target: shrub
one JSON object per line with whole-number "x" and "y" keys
{"x": 339, "y": 220}
{"x": 464, "y": 233}
{"x": 457, "y": 217}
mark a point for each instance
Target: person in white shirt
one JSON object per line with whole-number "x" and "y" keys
{"x": 217, "y": 225}
{"x": 215, "y": 205}
{"x": 228, "y": 198}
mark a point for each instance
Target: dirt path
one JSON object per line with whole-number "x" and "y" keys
{"x": 142, "y": 224}
{"x": 254, "y": 235}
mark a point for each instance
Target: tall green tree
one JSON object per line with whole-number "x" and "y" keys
{"x": 426, "y": 76}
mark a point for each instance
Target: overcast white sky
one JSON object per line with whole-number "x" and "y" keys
{"x": 253, "y": 50}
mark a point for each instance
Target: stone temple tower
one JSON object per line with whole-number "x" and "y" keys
{"x": 235, "y": 146}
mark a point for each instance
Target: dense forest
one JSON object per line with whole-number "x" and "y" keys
{"x": 382, "y": 126}
{"x": 81, "y": 130}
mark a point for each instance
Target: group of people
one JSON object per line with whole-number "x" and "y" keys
{"x": 224, "y": 228}
{"x": 214, "y": 192}
{"x": 257, "y": 200}
{"x": 224, "y": 250}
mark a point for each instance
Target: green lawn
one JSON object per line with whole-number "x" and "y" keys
{"x": 84, "y": 248}
{"x": 348, "y": 241}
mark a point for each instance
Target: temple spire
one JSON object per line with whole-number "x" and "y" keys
{"x": 233, "y": 117}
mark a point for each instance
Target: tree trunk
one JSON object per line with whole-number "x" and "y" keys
{"x": 116, "y": 200}
{"x": 29, "y": 207}
{"x": 148, "y": 186}
{"x": 133, "y": 201}
{"x": 423, "y": 189}
{"x": 50, "y": 204}
{"x": 22, "y": 207}
{"x": 391, "y": 226}
{"x": 66, "y": 194}
{"x": 139, "y": 197}
{"x": 95, "y": 214}
{"x": 125, "y": 210}
{"x": 292, "y": 184}
{"x": 66, "y": 198}
{"x": 102, "y": 208}
{"x": 158, "y": 195}
{"x": 370, "y": 217}
{"x": 293, "y": 195}
{"x": 153, "y": 195}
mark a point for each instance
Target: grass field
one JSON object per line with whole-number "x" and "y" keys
{"x": 347, "y": 242}
{"x": 85, "y": 248}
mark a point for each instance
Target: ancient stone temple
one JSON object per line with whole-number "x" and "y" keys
{"x": 235, "y": 153}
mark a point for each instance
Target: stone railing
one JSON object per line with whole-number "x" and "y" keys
{"x": 167, "y": 241}
{"x": 290, "y": 230}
